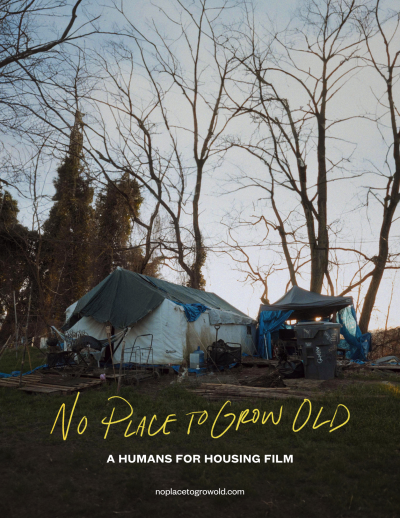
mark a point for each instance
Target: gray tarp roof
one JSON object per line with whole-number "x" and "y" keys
{"x": 307, "y": 304}
{"x": 125, "y": 297}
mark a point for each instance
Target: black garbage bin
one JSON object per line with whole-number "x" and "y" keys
{"x": 318, "y": 342}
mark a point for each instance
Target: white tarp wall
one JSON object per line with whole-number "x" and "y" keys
{"x": 167, "y": 325}
{"x": 173, "y": 337}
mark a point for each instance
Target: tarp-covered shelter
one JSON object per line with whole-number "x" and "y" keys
{"x": 307, "y": 304}
{"x": 296, "y": 304}
{"x": 174, "y": 319}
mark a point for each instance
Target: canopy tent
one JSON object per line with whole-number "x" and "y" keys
{"x": 299, "y": 304}
{"x": 307, "y": 304}
{"x": 173, "y": 319}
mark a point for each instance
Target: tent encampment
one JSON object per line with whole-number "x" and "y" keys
{"x": 174, "y": 320}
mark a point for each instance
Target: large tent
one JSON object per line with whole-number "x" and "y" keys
{"x": 307, "y": 304}
{"x": 174, "y": 320}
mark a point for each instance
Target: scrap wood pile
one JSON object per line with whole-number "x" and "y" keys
{"x": 268, "y": 385}
{"x": 50, "y": 384}
{"x": 214, "y": 391}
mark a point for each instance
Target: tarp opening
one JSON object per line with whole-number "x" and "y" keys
{"x": 269, "y": 322}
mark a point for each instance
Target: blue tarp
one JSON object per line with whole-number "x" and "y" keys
{"x": 356, "y": 343}
{"x": 192, "y": 311}
{"x": 269, "y": 321}
{"x": 15, "y": 374}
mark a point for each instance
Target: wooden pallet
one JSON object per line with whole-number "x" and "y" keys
{"x": 385, "y": 367}
{"x": 109, "y": 375}
{"x": 250, "y": 361}
{"x": 50, "y": 384}
{"x": 128, "y": 375}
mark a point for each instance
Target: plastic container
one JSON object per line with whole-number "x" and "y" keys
{"x": 197, "y": 359}
{"x": 318, "y": 342}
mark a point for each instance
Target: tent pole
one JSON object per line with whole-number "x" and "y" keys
{"x": 3, "y": 349}
{"x": 120, "y": 366}
{"x": 16, "y": 327}
{"x": 30, "y": 363}
{"x": 266, "y": 347}
{"x": 123, "y": 336}
{"x": 108, "y": 329}
{"x": 26, "y": 338}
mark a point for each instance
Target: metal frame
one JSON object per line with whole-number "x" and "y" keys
{"x": 137, "y": 353}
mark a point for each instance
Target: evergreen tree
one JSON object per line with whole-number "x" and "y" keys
{"x": 17, "y": 252}
{"x": 114, "y": 210}
{"x": 68, "y": 230}
{"x": 114, "y": 225}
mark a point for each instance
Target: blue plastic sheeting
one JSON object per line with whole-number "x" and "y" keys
{"x": 15, "y": 374}
{"x": 269, "y": 321}
{"x": 356, "y": 343}
{"x": 192, "y": 311}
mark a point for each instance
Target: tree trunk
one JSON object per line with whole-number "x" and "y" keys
{"x": 380, "y": 261}
{"x": 321, "y": 248}
{"x": 379, "y": 269}
{"x": 196, "y": 278}
{"x": 391, "y": 201}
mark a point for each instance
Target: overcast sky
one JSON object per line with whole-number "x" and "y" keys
{"x": 357, "y": 137}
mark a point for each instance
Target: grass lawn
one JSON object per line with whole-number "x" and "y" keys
{"x": 351, "y": 472}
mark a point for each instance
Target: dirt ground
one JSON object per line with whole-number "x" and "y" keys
{"x": 237, "y": 375}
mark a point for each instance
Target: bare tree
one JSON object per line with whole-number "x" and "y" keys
{"x": 154, "y": 134}
{"x": 29, "y": 53}
{"x": 20, "y": 31}
{"x": 380, "y": 28}
{"x": 297, "y": 75}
